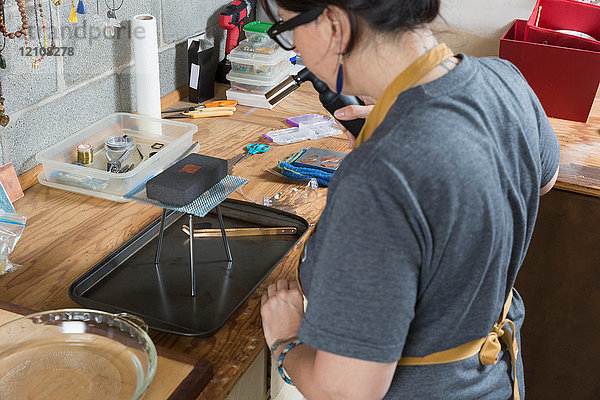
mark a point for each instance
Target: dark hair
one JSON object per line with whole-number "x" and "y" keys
{"x": 382, "y": 16}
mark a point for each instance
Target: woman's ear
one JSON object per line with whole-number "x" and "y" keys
{"x": 338, "y": 23}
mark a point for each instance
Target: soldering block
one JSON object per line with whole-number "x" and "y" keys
{"x": 186, "y": 180}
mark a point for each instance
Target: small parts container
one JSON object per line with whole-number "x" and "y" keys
{"x": 167, "y": 139}
{"x": 289, "y": 135}
{"x": 257, "y": 40}
{"x": 255, "y": 83}
{"x": 258, "y": 44}
{"x": 257, "y": 28}
{"x": 257, "y": 64}
{"x": 250, "y": 88}
{"x": 306, "y": 119}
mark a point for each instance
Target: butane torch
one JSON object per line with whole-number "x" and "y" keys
{"x": 330, "y": 100}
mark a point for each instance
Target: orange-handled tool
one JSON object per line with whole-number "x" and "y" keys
{"x": 219, "y": 103}
{"x": 208, "y": 113}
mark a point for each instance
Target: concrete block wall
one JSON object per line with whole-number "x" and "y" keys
{"x": 68, "y": 93}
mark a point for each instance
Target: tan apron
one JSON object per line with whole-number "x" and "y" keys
{"x": 488, "y": 347}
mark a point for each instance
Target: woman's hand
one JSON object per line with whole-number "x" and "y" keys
{"x": 282, "y": 309}
{"x": 349, "y": 113}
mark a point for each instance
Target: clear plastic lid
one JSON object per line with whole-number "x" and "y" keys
{"x": 238, "y": 55}
{"x": 258, "y": 43}
{"x": 259, "y": 80}
{"x": 258, "y": 27}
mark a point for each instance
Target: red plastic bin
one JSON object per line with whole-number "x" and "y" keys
{"x": 565, "y": 79}
{"x": 564, "y": 15}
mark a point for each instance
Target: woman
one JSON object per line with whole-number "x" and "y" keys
{"x": 409, "y": 275}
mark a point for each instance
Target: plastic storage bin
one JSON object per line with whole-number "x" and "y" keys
{"x": 148, "y": 133}
{"x": 257, "y": 64}
{"x": 550, "y": 18}
{"x": 258, "y": 44}
{"x": 257, "y": 40}
{"x": 257, "y": 84}
{"x": 564, "y": 79}
{"x": 257, "y": 28}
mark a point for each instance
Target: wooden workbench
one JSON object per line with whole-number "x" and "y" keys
{"x": 559, "y": 279}
{"x": 67, "y": 233}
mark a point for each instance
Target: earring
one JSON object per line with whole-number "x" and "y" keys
{"x": 340, "y": 75}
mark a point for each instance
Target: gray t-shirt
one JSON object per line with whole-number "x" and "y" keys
{"x": 425, "y": 228}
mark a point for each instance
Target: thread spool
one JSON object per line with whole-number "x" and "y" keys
{"x": 85, "y": 154}
{"x": 576, "y": 33}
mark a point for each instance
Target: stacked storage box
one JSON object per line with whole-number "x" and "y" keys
{"x": 258, "y": 64}
{"x": 559, "y": 64}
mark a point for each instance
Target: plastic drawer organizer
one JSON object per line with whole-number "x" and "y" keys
{"x": 158, "y": 143}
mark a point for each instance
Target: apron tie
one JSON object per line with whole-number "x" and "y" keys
{"x": 488, "y": 348}
{"x": 488, "y": 355}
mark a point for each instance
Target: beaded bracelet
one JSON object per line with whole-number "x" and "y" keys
{"x": 282, "y": 372}
{"x": 279, "y": 343}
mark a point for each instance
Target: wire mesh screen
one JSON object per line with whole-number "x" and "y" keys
{"x": 199, "y": 207}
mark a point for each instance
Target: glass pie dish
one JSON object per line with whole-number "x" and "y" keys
{"x": 75, "y": 354}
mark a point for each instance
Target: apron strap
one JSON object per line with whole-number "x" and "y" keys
{"x": 405, "y": 80}
{"x": 488, "y": 348}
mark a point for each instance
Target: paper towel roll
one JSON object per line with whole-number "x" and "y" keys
{"x": 145, "y": 47}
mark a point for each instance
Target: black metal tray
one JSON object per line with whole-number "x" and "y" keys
{"x": 129, "y": 281}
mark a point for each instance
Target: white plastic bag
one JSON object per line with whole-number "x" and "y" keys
{"x": 11, "y": 228}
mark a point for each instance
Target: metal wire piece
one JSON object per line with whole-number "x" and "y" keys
{"x": 199, "y": 207}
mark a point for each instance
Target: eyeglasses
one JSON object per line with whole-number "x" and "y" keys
{"x": 281, "y": 31}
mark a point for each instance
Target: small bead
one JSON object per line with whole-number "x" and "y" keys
{"x": 25, "y": 26}
{"x": 18, "y": 33}
{"x": 24, "y": 31}
{"x": 11, "y": 35}
{"x": 24, "y": 20}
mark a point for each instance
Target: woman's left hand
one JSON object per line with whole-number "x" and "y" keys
{"x": 282, "y": 309}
